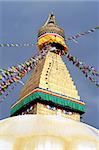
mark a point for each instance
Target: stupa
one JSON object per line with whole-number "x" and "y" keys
{"x": 47, "y": 114}
{"x": 50, "y": 86}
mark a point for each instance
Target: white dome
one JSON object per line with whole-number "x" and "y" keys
{"x": 39, "y": 132}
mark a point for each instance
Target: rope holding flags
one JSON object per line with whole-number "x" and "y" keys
{"x": 10, "y": 90}
{"x": 75, "y": 37}
{"x": 16, "y": 73}
{"x": 16, "y": 45}
{"x": 89, "y": 71}
{"x": 7, "y": 93}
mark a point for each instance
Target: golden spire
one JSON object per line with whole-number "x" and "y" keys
{"x": 51, "y": 20}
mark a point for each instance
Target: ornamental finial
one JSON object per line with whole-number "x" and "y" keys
{"x": 51, "y": 19}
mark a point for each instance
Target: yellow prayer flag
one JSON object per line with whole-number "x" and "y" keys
{"x": 0, "y": 77}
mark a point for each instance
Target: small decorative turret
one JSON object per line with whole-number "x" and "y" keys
{"x": 50, "y": 26}
{"x": 51, "y": 34}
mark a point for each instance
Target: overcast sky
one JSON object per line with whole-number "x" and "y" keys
{"x": 19, "y": 23}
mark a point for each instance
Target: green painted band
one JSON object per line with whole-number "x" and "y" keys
{"x": 48, "y": 97}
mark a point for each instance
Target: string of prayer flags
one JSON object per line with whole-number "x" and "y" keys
{"x": 16, "y": 45}
{"x": 16, "y": 73}
{"x": 82, "y": 66}
{"x": 74, "y": 38}
{"x": 7, "y": 93}
{"x": 89, "y": 71}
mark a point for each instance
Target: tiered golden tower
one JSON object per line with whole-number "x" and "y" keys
{"x": 50, "y": 89}
{"x": 51, "y": 103}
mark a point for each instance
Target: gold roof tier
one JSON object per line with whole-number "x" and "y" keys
{"x": 51, "y": 74}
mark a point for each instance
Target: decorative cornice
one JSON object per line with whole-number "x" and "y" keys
{"x": 38, "y": 89}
